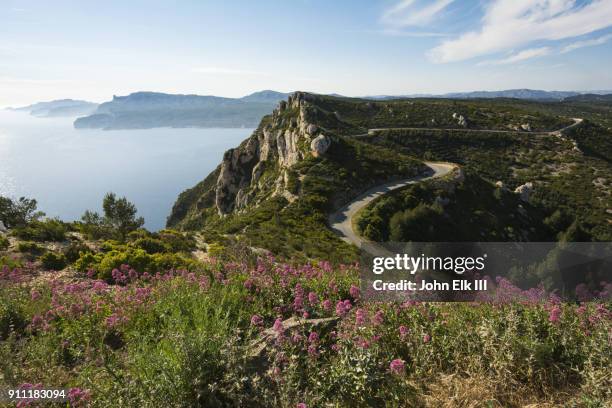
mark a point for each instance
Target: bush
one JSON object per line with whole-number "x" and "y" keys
{"x": 41, "y": 231}
{"x": 18, "y": 213}
{"x": 74, "y": 251}
{"x": 53, "y": 261}
{"x": 151, "y": 245}
{"x": 30, "y": 247}
{"x": 4, "y": 243}
{"x": 139, "y": 259}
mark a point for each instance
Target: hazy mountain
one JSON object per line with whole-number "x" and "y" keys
{"x": 265, "y": 96}
{"x": 59, "y": 108}
{"x": 590, "y": 97}
{"x": 530, "y": 94}
{"x": 143, "y": 110}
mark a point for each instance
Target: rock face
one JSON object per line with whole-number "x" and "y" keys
{"x": 461, "y": 120}
{"x": 524, "y": 191}
{"x": 319, "y": 145}
{"x": 276, "y": 146}
{"x": 2, "y": 227}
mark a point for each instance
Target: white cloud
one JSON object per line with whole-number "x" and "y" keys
{"x": 586, "y": 43}
{"x": 520, "y": 56}
{"x": 510, "y": 24}
{"x": 407, "y": 13}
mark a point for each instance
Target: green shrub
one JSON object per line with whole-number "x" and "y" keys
{"x": 74, "y": 251}
{"x": 30, "y": 247}
{"x": 4, "y": 243}
{"x": 53, "y": 261}
{"x": 151, "y": 245}
{"x": 178, "y": 241}
{"x": 41, "y": 231}
{"x": 12, "y": 319}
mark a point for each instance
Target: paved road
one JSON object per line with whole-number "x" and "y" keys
{"x": 558, "y": 132}
{"x": 341, "y": 221}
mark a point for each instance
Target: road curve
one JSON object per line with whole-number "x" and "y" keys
{"x": 341, "y": 221}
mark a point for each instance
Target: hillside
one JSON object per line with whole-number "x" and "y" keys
{"x": 60, "y": 108}
{"x": 315, "y": 153}
{"x": 142, "y": 110}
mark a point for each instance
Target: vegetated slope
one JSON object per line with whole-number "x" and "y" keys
{"x": 495, "y": 114}
{"x": 274, "y": 190}
{"x": 569, "y": 175}
{"x": 151, "y": 109}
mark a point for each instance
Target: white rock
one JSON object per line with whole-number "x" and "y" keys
{"x": 524, "y": 191}
{"x": 319, "y": 145}
{"x": 526, "y": 127}
{"x": 2, "y": 227}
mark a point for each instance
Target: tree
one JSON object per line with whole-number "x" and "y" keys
{"x": 120, "y": 214}
{"x": 18, "y": 213}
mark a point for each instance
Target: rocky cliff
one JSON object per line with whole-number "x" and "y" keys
{"x": 301, "y": 150}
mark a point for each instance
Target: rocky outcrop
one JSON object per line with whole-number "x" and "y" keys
{"x": 319, "y": 145}
{"x": 285, "y": 140}
{"x": 461, "y": 120}
{"x": 524, "y": 191}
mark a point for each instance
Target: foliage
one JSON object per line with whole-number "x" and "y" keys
{"x": 53, "y": 261}
{"x": 30, "y": 247}
{"x": 18, "y": 213}
{"x": 4, "y": 243}
{"x": 190, "y": 339}
{"x": 42, "y": 231}
{"x": 119, "y": 219}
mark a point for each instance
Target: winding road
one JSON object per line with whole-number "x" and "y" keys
{"x": 341, "y": 221}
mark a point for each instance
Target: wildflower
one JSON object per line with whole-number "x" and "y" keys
{"x": 378, "y": 318}
{"x": 34, "y": 294}
{"x": 313, "y": 298}
{"x": 361, "y": 317}
{"x": 313, "y": 337}
{"x": 403, "y": 330}
{"x": 554, "y": 314}
{"x": 256, "y": 320}
{"x": 426, "y": 338}
{"x": 305, "y": 315}
{"x": 301, "y": 405}
{"x": 354, "y": 292}
{"x": 340, "y": 308}
{"x": 313, "y": 351}
{"x": 78, "y": 396}
{"x": 296, "y": 338}
{"x": 327, "y": 304}
{"x": 397, "y": 366}
{"x": 278, "y": 326}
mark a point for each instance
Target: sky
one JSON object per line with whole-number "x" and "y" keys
{"x": 93, "y": 50}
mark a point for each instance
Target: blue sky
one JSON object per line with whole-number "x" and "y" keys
{"x": 92, "y": 49}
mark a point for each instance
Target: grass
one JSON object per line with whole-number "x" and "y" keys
{"x": 189, "y": 339}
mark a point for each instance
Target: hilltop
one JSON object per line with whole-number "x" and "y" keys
{"x": 143, "y": 110}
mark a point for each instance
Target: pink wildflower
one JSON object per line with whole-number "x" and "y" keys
{"x": 397, "y": 366}
{"x": 554, "y": 314}
{"x": 354, "y": 292}
{"x": 378, "y": 318}
{"x": 256, "y": 320}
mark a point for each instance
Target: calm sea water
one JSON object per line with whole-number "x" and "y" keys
{"x": 68, "y": 170}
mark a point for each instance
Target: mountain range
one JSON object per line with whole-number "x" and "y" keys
{"x": 142, "y": 110}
